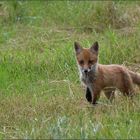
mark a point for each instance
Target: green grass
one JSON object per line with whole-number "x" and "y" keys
{"x": 40, "y": 91}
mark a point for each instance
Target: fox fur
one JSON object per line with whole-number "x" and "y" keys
{"x": 98, "y": 77}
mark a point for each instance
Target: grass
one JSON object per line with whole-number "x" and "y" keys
{"x": 41, "y": 95}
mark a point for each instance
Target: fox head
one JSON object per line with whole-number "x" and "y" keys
{"x": 87, "y": 58}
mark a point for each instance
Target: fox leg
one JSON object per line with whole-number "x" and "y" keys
{"x": 127, "y": 89}
{"x": 109, "y": 93}
{"x": 95, "y": 96}
{"x": 88, "y": 95}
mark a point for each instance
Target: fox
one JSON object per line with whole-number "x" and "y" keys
{"x": 98, "y": 77}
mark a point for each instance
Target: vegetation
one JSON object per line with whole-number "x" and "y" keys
{"x": 40, "y": 92}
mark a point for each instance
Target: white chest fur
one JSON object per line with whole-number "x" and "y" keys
{"x": 89, "y": 78}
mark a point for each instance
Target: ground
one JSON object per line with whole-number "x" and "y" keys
{"x": 40, "y": 92}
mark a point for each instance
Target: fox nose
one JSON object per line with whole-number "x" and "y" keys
{"x": 85, "y": 71}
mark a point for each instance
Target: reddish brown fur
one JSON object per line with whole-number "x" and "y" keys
{"x": 86, "y": 55}
{"x": 113, "y": 76}
{"x": 106, "y": 75}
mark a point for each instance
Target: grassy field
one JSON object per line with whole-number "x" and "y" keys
{"x": 40, "y": 91}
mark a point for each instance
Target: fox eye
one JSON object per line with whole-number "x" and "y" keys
{"x": 91, "y": 61}
{"x": 81, "y": 62}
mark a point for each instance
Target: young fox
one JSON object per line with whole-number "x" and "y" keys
{"x": 98, "y": 77}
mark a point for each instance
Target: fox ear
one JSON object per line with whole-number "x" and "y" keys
{"x": 78, "y": 48}
{"x": 95, "y": 47}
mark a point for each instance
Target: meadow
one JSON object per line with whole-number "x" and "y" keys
{"x": 40, "y": 92}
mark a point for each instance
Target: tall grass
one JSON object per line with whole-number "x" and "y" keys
{"x": 88, "y": 15}
{"x": 41, "y": 96}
